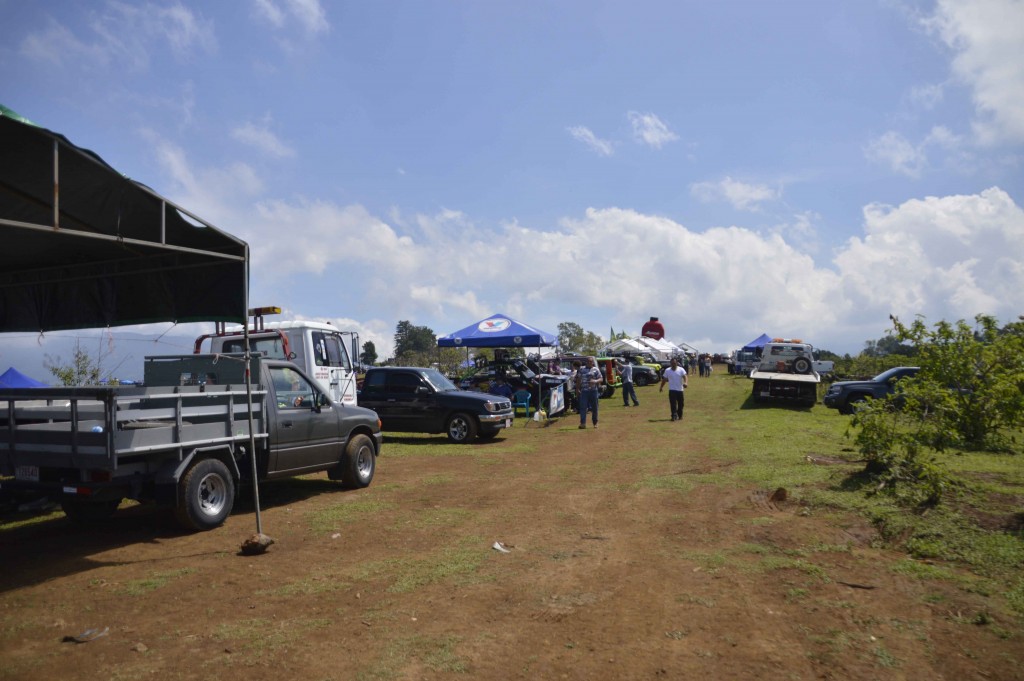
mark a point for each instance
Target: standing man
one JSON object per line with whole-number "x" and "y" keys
{"x": 675, "y": 376}
{"x": 625, "y": 370}
{"x": 588, "y": 389}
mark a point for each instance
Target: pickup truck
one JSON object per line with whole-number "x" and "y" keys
{"x": 418, "y": 400}
{"x": 844, "y": 395}
{"x": 183, "y": 440}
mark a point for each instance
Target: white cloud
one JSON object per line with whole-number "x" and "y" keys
{"x": 260, "y": 136}
{"x": 987, "y": 38}
{"x": 741, "y": 195}
{"x": 600, "y": 146}
{"x": 650, "y": 130}
{"x": 124, "y": 33}
{"x": 946, "y": 258}
{"x": 309, "y": 14}
{"x": 927, "y": 96}
{"x": 894, "y": 150}
{"x": 268, "y": 10}
{"x": 901, "y": 156}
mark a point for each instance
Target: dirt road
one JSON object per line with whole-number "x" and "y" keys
{"x": 627, "y": 559}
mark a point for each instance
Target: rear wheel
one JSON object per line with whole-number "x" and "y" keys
{"x": 461, "y": 428}
{"x": 607, "y": 392}
{"x": 357, "y": 465}
{"x": 206, "y": 495}
{"x": 641, "y": 380}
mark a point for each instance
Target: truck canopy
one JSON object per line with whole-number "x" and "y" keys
{"x": 87, "y": 247}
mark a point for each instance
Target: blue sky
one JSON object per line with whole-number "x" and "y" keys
{"x": 797, "y": 168}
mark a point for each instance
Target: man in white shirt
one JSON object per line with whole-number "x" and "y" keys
{"x": 675, "y": 376}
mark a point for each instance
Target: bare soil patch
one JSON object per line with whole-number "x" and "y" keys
{"x": 607, "y": 576}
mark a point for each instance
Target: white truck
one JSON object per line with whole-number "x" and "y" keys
{"x": 786, "y": 371}
{"x": 321, "y": 349}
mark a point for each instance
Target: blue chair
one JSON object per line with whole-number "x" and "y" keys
{"x": 521, "y": 400}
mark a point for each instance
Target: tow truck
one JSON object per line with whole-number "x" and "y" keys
{"x": 786, "y": 371}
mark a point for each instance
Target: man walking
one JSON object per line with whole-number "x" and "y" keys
{"x": 625, "y": 371}
{"x": 675, "y": 376}
{"x": 588, "y": 389}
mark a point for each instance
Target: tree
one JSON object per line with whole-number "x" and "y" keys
{"x": 368, "y": 357}
{"x": 967, "y": 395}
{"x": 414, "y": 345}
{"x": 970, "y": 380}
{"x": 81, "y": 371}
{"x": 411, "y": 339}
{"x": 574, "y": 340}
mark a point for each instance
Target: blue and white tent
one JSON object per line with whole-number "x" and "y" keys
{"x": 497, "y": 331}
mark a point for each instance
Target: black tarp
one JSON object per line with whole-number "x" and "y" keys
{"x": 83, "y": 246}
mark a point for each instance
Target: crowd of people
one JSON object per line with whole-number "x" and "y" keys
{"x": 585, "y": 383}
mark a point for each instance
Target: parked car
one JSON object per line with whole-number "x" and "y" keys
{"x": 844, "y": 395}
{"x": 642, "y": 374}
{"x": 419, "y": 400}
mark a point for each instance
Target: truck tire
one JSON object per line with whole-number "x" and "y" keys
{"x": 84, "y": 512}
{"x": 206, "y": 495}
{"x": 357, "y": 465}
{"x": 607, "y": 392}
{"x": 853, "y": 404}
{"x": 802, "y": 365}
{"x": 461, "y": 428}
{"x": 641, "y": 380}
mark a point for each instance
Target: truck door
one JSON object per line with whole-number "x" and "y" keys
{"x": 302, "y": 437}
{"x": 413, "y": 402}
{"x": 332, "y": 366}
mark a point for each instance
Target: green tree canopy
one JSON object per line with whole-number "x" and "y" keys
{"x": 368, "y": 357}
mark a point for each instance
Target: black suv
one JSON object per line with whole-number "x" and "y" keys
{"x": 844, "y": 395}
{"x": 417, "y": 400}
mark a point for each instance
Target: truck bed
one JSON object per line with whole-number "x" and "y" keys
{"x": 99, "y": 428}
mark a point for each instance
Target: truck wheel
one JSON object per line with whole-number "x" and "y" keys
{"x": 206, "y": 495}
{"x": 79, "y": 511}
{"x": 608, "y": 391}
{"x": 853, "y": 404}
{"x": 461, "y": 428}
{"x": 641, "y": 380}
{"x": 802, "y": 365}
{"x": 357, "y": 465}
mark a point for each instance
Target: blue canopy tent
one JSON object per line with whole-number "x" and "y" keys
{"x": 497, "y": 331}
{"x": 757, "y": 343}
{"x": 12, "y": 378}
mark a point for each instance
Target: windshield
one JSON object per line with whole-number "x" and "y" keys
{"x": 895, "y": 371}
{"x": 438, "y": 381}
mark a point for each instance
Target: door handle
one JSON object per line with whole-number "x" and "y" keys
{"x": 286, "y": 424}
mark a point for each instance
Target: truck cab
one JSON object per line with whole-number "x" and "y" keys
{"x": 322, "y": 350}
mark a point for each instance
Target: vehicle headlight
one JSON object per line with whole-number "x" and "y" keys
{"x": 493, "y": 406}
{"x": 833, "y": 390}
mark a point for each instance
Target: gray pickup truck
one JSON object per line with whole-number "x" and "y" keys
{"x": 418, "y": 400}
{"x": 182, "y": 440}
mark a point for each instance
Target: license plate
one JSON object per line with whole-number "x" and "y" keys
{"x": 508, "y": 423}
{"x": 27, "y": 473}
